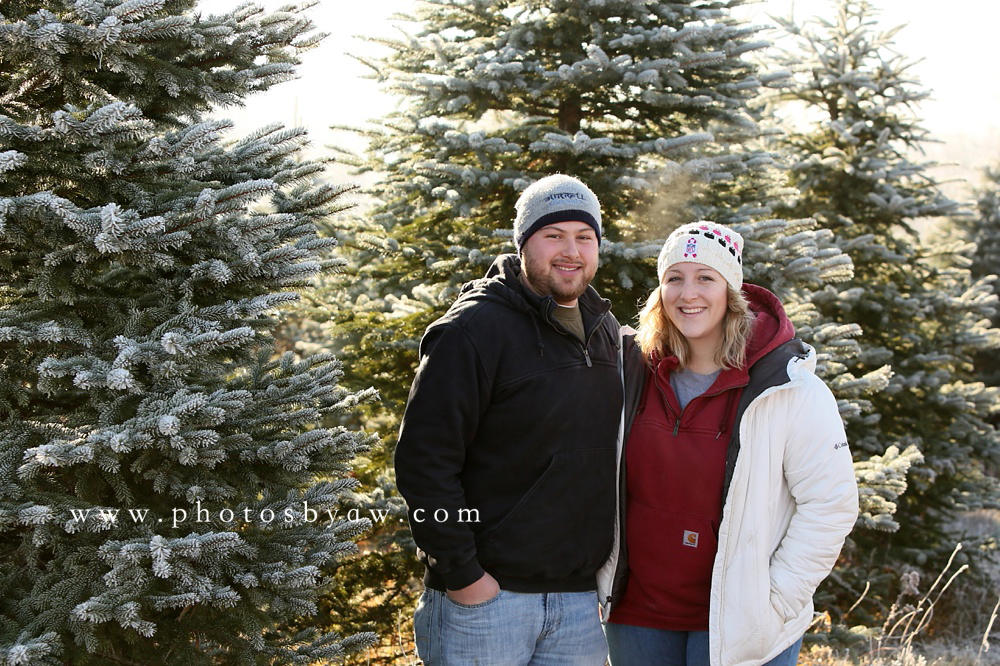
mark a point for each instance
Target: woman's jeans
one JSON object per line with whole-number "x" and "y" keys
{"x": 511, "y": 629}
{"x": 641, "y": 646}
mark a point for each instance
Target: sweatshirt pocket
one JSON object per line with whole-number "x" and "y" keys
{"x": 562, "y": 527}
{"x": 670, "y": 559}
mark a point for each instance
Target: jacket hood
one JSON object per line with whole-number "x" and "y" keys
{"x": 772, "y": 327}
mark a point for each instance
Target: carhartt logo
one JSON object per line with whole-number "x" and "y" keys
{"x": 690, "y": 539}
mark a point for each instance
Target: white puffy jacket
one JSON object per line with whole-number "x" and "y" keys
{"x": 791, "y": 502}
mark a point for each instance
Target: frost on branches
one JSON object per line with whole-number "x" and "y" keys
{"x": 142, "y": 265}
{"x": 980, "y": 234}
{"x": 647, "y": 102}
{"x": 924, "y": 316}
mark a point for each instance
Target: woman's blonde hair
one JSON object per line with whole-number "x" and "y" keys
{"x": 656, "y": 333}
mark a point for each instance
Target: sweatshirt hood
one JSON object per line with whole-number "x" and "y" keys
{"x": 772, "y": 327}
{"x": 502, "y": 285}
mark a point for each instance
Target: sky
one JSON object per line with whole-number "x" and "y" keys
{"x": 951, "y": 42}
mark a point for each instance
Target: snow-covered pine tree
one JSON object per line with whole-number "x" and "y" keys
{"x": 983, "y": 229}
{"x": 920, "y": 311}
{"x": 165, "y": 478}
{"x": 645, "y": 101}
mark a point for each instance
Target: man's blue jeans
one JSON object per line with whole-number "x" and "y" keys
{"x": 511, "y": 629}
{"x": 641, "y": 646}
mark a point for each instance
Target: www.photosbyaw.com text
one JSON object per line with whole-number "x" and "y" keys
{"x": 198, "y": 514}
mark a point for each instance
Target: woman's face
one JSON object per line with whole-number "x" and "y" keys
{"x": 695, "y": 299}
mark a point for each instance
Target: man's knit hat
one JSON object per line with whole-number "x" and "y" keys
{"x": 552, "y": 199}
{"x": 706, "y": 243}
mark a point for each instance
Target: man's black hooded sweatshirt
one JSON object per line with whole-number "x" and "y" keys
{"x": 506, "y": 453}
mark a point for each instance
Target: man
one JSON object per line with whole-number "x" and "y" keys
{"x": 506, "y": 453}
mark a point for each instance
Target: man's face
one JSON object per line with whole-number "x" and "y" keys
{"x": 560, "y": 260}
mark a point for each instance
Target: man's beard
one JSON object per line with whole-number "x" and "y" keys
{"x": 547, "y": 283}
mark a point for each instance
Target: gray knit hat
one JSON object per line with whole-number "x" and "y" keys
{"x": 706, "y": 243}
{"x": 552, "y": 199}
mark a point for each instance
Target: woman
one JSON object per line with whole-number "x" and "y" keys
{"x": 737, "y": 486}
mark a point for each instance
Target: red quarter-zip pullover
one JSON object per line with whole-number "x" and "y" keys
{"x": 675, "y": 470}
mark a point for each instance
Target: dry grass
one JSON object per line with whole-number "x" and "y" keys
{"x": 971, "y": 623}
{"x": 903, "y": 640}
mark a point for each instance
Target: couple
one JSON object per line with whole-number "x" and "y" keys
{"x": 689, "y": 483}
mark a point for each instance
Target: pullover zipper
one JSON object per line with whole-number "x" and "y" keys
{"x": 583, "y": 345}
{"x": 677, "y": 419}
{"x": 586, "y": 343}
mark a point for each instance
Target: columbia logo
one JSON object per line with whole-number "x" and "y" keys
{"x": 839, "y": 445}
{"x": 690, "y": 539}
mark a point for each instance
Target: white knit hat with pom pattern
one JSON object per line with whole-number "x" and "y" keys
{"x": 706, "y": 243}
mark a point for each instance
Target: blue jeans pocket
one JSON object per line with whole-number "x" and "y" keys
{"x": 492, "y": 633}
{"x": 448, "y": 633}
{"x": 510, "y": 629}
{"x": 482, "y": 604}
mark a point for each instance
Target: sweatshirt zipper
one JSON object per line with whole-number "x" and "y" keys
{"x": 586, "y": 343}
{"x": 583, "y": 345}
{"x": 677, "y": 420}
{"x": 666, "y": 403}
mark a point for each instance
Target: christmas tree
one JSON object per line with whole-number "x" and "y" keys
{"x": 648, "y": 103}
{"x": 645, "y": 102}
{"x": 170, "y": 488}
{"x": 982, "y": 229}
{"x": 921, "y": 312}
